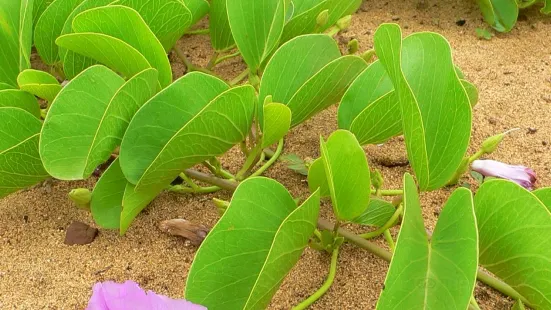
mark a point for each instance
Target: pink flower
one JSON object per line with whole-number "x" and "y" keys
{"x": 130, "y": 296}
{"x": 521, "y": 175}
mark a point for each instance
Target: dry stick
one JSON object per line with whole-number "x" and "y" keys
{"x": 482, "y": 276}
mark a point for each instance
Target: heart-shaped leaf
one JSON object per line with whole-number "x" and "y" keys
{"x": 276, "y": 124}
{"x": 168, "y": 19}
{"x": 102, "y": 105}
{"x": 20, "y": 164}
{"x": 39, "y": 83}
{"x": 74, "y": 63}
{"x": 246, "y": 274}
{"x": 436, "y": 113}
{"x": 544, "y": 195}
{"x": 435, "y": 274}
{"x": 126, "y": 24}
{"x": 500, "y": 14}
{"x": 194, "y": 119}
{"x": 16, "y": 37}
{"x": 49, "y": 28}
{"x": 110, "y": 51}
{"x": 515, "y": 231}
{"x": 19, "y": 99}
{"x": 377, "y": 214}
{"x": 220, "y": 31}
{"x": 307, "y": 74}
{"x": 347, "y": 174}
{"x": 256, "y": 27}
{"x": 115, "y": 203}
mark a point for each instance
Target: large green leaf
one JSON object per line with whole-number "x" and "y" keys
{"x": 246, "y": 256}
{"x": 39, "y": 6}
{"x": 436, "y": 113}
{"x": 192, "y": 120}
{"x": 20, "y": 164}
{"x": 307, "y": 75}
{"x": 370, "y": 108}
{"x": 544, "y": 195}
{"x": 168, "y": 19}
{"x": 126, "y": 24}
{"x": 220, "y": 31}
{"x": 49, "y": 28}
{"x": 19, "y": 99}
{"x": 39, "y": 83}
{"x": 500, "y": 14}
{"x": 110, "y": 51}
{"x": 377, "y": 214}
{"x": 74, "y": 63}
{"x": 435, "y": 274}
{"x": 276, "y": 124}
{"x": 16, "y": 38}
{"x": 198, "y": 9}
{"x": 88, "y": 118}
{"x": 115, "y": 203}
{"x": 515, "y": 232}
{"x": 347, "y": 174}
{"x": 256, "y": 27}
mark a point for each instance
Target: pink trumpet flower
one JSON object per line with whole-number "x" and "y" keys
{"x": 130, "y": 296}
{"x": 521, "y": 175}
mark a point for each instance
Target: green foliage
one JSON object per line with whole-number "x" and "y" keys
{"x": 502, "y": 15}
{"x": 428, "y": 90}
{"x": 20, "y": 164}
{"x": 377, "y": 213}
{"x": 515, "y": 230}
{"x": 220, "y": 31}
{"x": 435, "y": 274}
{"x": 295, "y": 163}
{"x": 277, "y": 122}
{"x": 16, "y": 39}
{"x": 544, "y": 195}
{"x": 317, "y": 178}
{"x": 320, "y": 75}
{"x": 212, "y": 120}
{"x": 246, "y": 256}
{"x": 19, "y": 99}
{"x": 39, "y": 83}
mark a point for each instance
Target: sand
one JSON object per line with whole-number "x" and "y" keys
{"x": 512, "y": 72}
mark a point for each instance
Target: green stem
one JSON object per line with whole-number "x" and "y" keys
{"x": 189, "y": 181}
{"x": 474, "y": 304}
{"x": 326, "y": 285}
{"x": 199, "y": 31}
{"x": 501, "y": 287}
{"x": 199, "y": 190}
{"x": 189, "y": 65}
{"x": 390, "y": 241}
{"x": 219, "y": 172}
{"x": 317, "y": 233}
{"x": 387, "y": 192}
{"x": 226, "y": 57}
{"x": 240, "y": 77}
{"x": 476, "y": 156}
{"x": 387, "y": 225}
{"x": 251, "y": 160}
{"x": 271, "y": 161}
{"x": 212, "y": 61}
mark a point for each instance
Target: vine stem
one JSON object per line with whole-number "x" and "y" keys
{"x": 371, "y": 247}
{"x": 271, "y": 161}
{"x": 387, "y": 192}
{"x": 389, "y": 239}
{"x": 240, "y": 77}
{"x": 189, "y": 65}
{"x": 226, "y": 57}
{"x": 326, "y": 285}
{"x": 386, "y": 226}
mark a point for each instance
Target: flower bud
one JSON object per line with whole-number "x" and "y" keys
{"x": 490, "y": 144}
{"x": 344, "y": 22}
{"x": 368, "y": 55}
{"x": 353, "y": 46}
{"x": 322, "y": 18}
{"x": 521, "y": 175}
{"x": 81, "y": 197}
{"x": 222, "y": 205}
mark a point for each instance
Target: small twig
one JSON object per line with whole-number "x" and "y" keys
{"x": 199, "y": 31}
{"x": 97, "y": 273}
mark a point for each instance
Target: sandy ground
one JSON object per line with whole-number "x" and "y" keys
{"x": 512, "y": 72}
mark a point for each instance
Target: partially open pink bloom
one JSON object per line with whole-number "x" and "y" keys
{"x": 521, "y": 175}
{"x": 130, "y": 296}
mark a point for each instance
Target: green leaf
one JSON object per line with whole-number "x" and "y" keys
{"x": 483, "y": 33}
{"x": 515, "y": 230}
{"x": 115, "y": 203}
{"x": 74, "y": 63}
{"x": 39, "y": 83}
{"x": 110, "y": 51}
{"x": 220, "y": 31}
{"x": 295, "y": 163}
{"x": 20, "y": 165}
{"x": 347, "y": 174}
{"x": 500, "y": 14}
{"x": 435, "y": 274}
{"x": 167, "y": 19}
{"x": 436, "y": 113}
{"x": 307, "y": 75}
{"x": 317, "y": 178}
{"x": 126, "y": 24}
{"x": 16, "y": 37}
{"x": 544, "y": 195}
{"x": 49, "y": 28}
{"x": 102, "y": 105}
{"x": 198, "y": 9}
{"x": 276, "y": 124}
{"x": 19, "y": 99}
{"x": 377, "y": 214}
{"x": 248, "y": 253}
{"x": 194, "y": 119}
{"x": 518, "y": 305}
{"x": 546, "y": 8}
{"x": 256, "y": 27}
{"x": 472, "y": 92}
{"x": 39, "y": 6}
